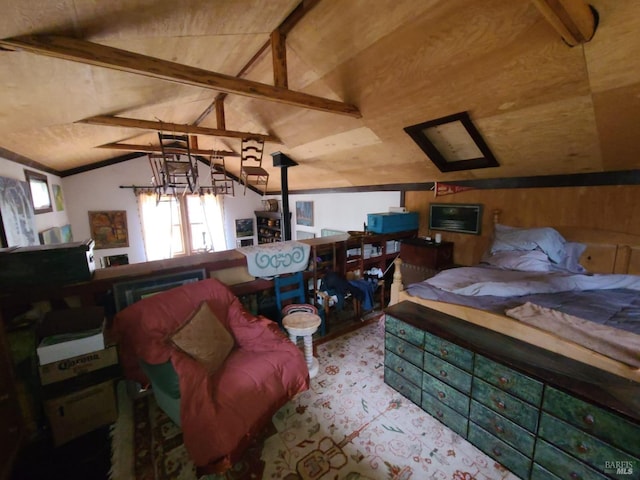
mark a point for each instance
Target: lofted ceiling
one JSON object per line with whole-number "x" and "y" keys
{"x": 542, "y": 106}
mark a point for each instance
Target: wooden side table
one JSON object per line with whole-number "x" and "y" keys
{"x": 420, "y": 252}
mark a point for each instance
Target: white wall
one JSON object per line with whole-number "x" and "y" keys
{"x": 47, "y": 220}
{"x": 99, "y": 189}
{"x": 342, "y": 211}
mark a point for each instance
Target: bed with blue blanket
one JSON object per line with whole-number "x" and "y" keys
{"x": 572, "y": 291}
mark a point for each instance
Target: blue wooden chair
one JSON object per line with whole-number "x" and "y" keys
{"x": 291, "y": 296}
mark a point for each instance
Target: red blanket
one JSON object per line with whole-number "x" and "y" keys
{"x": 221, "y": 413}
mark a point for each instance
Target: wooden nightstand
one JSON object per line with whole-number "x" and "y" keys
{"x": 420, "y": 252}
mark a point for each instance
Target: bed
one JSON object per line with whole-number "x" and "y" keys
{"x": 596, "y": 257}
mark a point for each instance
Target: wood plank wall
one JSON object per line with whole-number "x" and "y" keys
{"x": 615, "y": 208}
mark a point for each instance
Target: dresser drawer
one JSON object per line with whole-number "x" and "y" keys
{"x": 541, "y": 473}
{"x": 509, "y": 380}
{"x": 605, "y": 425}
{"x": 446, "y": 372}
{"x": 451, "y": 418}
{"x": 399, "y": 383}
{"x": 452, "y": 353}
{"x": 505, "y": 404}
{"x": 403, "y": 349}
{"x": 405, "y": 331}
{"x": 562, "y": 465}
{"x": 446, "y": 394}
{"x": 500, "y": 451}
{"x": 502, "y": 428}
{"x": 403, "y": 367}
{"x": 581, "y": 445}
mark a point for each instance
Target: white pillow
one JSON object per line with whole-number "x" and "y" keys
{"x": 571, "y": 261}
{"x": 546, "y": 239}
{"x": 525, "y": 261}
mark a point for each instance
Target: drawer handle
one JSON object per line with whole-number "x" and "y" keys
{"x": 588, "y": 419}
{"x": 439, "y": 414}
{"x": 443, "y": 373}
{"x": 496, "y": 451}
{"x": 399, "y": 369}
{"x": 499, "y": 428}
{"x": 443, "y": 352}
{"x": 503, "y": 380}
{"x": 500, "y": 404}
{"x": 441, "y": 394}
{"x": 401, "y": 350}
{"x": 575, "y": 476}
{"x": 402, "y": 331}
{"x": 582, "y": 448}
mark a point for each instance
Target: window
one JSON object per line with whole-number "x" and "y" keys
{"x": 181, "y": 225}
{"x": 39, "y": 188}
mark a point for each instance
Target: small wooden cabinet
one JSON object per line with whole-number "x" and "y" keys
{"x": 539, "y": 414}
{"x": 423, "y": 253}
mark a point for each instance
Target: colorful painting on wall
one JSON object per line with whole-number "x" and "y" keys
{"x": 18, "y": 218}
{"x": 58, "y": 198}
{"x": 66, "y": 236}
{"x": 304, "y": 213}
{"x": 109, "y": 228}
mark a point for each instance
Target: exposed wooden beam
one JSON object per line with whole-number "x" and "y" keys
{"x": 575, "y": 20}
{"x": 103, "y": 56}
{"x": 279, "y": 59}
{"x": 156, "y": 149}
{"x": 109, "y": 121}
{"x": 285, "y": 27}
{"x": 220, "y": 120}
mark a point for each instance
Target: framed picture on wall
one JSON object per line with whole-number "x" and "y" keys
{"x": 58, "y": 198}
{"x": 244, "y": 227}
{"x": 456, "y": 217}
{"x": 16, "y": 210}
{"x": 304, "y": 213}
{"x": 109, "y": 228}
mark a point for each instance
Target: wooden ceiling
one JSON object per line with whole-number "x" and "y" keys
{"x": 377, "y": 66}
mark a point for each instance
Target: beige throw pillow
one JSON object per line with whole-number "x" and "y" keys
{"x": 204, "y": 338}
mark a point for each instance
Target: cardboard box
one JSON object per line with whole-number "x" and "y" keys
{"x": 82, "y": 411}
{"x": 79, "y": 365}
{"x": 60, "y": 347}
{"x": 392, "y": 222}
{"x": 70, "y": 333}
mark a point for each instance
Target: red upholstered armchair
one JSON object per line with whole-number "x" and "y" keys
{"x": 225, "y": 399}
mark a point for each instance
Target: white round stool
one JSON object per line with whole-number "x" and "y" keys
{"x": 304, "y": 324}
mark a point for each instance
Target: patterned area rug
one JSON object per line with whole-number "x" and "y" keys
{"x": 350, "y": 426}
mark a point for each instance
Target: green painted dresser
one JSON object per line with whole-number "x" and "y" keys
{"x": 541, "y": 415}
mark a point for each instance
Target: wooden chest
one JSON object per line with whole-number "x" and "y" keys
{"x": 47, "y": 264}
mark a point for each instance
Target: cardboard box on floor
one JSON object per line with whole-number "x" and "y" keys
{"x": 80, "y": 365}
{"x": 69, "y": 322}
{"x": 82, "y": 411}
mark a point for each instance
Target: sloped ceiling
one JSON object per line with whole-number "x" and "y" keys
{"x": 543, "y": 107}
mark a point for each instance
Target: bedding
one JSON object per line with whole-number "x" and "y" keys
{"x": 540, "y": 269}
{"x": 517, "y": 269}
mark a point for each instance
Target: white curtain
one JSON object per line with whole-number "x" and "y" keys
{"x": 157, "y": 220}
{"x": 156, "y": 226}
{"x": 213, "y": 209}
